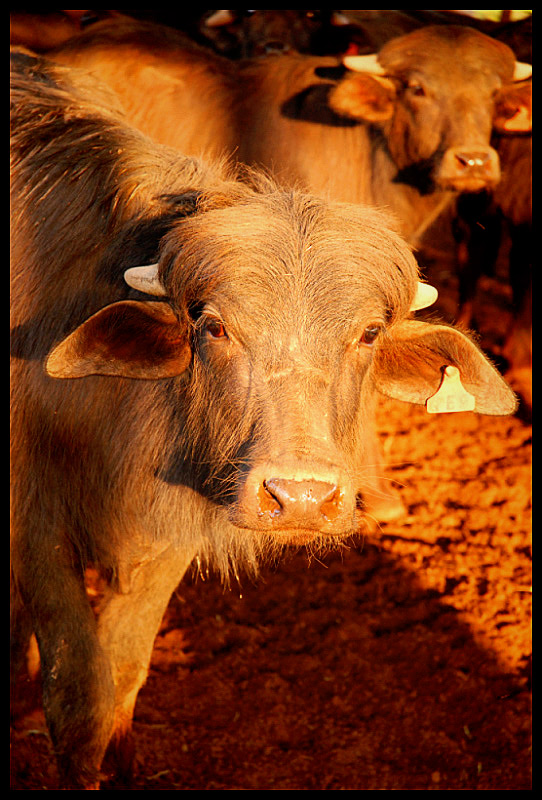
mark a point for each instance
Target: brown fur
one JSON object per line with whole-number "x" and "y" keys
{"x": 270, "y": 297}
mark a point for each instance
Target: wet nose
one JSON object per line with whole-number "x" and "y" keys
{"x": 306, "y": 503}
{"x": 469, "y": 169}
{"x": 269, "y": 500}
{"x": 472, "y": 159}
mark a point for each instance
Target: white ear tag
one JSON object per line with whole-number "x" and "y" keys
{"x": 451, "y": 395}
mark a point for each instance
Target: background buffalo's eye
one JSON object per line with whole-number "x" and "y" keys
{"x": 370, "y": 333}
{"x": 416, "y": 89}
{"x": 215, "y": 328}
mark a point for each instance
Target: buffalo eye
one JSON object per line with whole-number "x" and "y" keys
{"x": 215, "y": 328}
{"x": 416, "y": 89}
{"x": 370, "y": 334}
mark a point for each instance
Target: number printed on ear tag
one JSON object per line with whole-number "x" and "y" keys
{"x": 451, "y": 395}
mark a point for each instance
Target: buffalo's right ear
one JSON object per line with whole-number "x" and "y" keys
{"x": 364, "y": 97}
{"x": 514, "y": 109}
{"x": 129, "y": 339}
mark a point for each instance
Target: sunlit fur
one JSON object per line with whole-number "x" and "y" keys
{"x": 141, "y": 477}
{"x": 279, "y": 265}
{"x": 287, "y": 250}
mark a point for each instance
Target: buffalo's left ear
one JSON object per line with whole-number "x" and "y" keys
{"x": 410, "y": 362}
{"x": 129, "y": 339}
{"x": 364, "y": 97}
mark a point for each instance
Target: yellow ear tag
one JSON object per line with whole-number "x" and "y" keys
{"x": 451, "y": 395}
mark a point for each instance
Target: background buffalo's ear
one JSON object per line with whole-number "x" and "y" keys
{"x": 513, "y": 109}
{"x": 364, "y": 97}
{"x": 409, "y": 363}
{"x": 129, "y": 339}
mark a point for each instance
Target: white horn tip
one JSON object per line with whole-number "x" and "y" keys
{"x": 220, "y": 18}
{"x": 364, "y": 63}
{"x": 522, "y": 71}
{"x": 426, "y": 295}
{"x": 145, "y": 279}
{"x": 339, "y": 19}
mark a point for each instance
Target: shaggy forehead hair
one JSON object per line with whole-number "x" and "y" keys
{"x": 290, "y": 243}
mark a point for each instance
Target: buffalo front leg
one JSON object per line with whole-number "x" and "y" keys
{"x": 78, "y": 690}
{"x": 127, "y": 628}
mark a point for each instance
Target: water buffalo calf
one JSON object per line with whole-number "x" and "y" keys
{"x": 195, "y": 362}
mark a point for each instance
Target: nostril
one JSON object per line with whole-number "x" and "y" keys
{"x": 332, "y": 505}
{"x": 269, "y": 500}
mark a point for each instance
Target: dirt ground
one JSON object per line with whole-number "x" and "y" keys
{"x": 402, "y": 662}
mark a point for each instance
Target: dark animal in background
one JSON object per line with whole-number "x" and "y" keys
{"x": 407, "y": 132}
{"x": 195, "y": 362}
{"x": 487, "y": 221}
{"x": 509, "y": 202}
{"x": 245, "y": 34}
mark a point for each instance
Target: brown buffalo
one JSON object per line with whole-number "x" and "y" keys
{"x": 407, "y": 132}
{"x": 195, "y": 362}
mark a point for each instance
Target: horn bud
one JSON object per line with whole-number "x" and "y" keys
{"x": 219, "y": 18}
{"x": 522, "y": 71}
{"x": 366, "y": 63}
{"x": 339, "y": 19}
{"x": 425, "y": 296}
{"x": 145, "y": 279}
